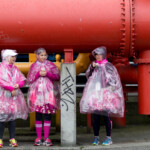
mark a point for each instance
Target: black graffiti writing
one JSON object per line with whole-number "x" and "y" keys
{"x": 70, "y": 76}
{"x": 67, "y": 85}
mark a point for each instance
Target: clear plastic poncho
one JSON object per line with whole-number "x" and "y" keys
{"x": 43, "y": 90}
{"x": 11, "y": 107}
{"x": 103, "y": 91}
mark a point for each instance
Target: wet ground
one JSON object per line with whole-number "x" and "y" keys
{"x": 133, "y": 137}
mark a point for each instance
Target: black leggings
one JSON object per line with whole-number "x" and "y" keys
{"x": 96, "y": 124}
{"x": 47, "y": 117}
{"x": 11, "y": 128}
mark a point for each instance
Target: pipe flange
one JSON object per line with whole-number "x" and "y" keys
{"x": 127, "y": 44}
{"x": 125, "y": 28}
{"x": 133, "y": 34}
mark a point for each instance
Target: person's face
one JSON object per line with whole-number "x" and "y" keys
{"x": 12, "y": 59}
{"x": 99, "y": 57}
{"x": 42, "y": 57}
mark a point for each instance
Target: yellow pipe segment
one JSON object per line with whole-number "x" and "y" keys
{"x": 82, "y": 63}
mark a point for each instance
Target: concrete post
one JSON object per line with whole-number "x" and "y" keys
{"x": 68, "y": 104}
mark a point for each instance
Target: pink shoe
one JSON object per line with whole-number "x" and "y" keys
{"x": 48, "y": 142}
{"x": 37, "y": 142}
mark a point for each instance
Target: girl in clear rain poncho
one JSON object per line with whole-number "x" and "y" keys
{"x": 43, "y": 94}
{"x": 103, "y": 95}
{"x": 12, "y": 102}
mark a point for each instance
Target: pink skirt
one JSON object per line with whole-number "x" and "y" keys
{"x": 46, "y": 109}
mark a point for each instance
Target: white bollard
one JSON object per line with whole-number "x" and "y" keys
{"x": 68, "y": 104}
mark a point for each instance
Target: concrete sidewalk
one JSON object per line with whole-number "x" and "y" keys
{"x": 127, "y": 138}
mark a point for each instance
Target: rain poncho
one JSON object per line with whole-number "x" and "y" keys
{"x": 11, "y": 107}
{"x": 103, "y": 91}
{"x": 43, "y": 95}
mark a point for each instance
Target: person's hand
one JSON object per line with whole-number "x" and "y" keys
{"x": 16, "y": 86}
{"x": 13, "y": 93}
{"x": 43, "y": 73}
{"x": 93, "y": 64}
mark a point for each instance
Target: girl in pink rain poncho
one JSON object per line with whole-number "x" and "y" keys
{"x": 12, "y": 102}
{"x": 103, "y": 95}
{"x": 43, "y": 94}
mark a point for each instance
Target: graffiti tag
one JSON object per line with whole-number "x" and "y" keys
{"x": 67, "y": 89}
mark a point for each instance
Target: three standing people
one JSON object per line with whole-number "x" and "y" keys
{"x": 102, "y": 96}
